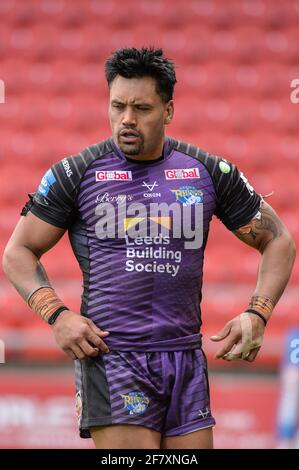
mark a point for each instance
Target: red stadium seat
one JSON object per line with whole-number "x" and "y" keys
{"x": 272, "y": 79}
{"x": 25, "y": 180}
{"x": 250, "y": 45}
{"x": 219, "y": 79}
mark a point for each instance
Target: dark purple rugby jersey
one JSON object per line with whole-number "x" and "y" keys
{"x": 144, "y": 289}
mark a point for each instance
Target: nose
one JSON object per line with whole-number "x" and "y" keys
{"x": 129, "y": 118}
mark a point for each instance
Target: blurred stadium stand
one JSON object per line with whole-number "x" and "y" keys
{"x": 235, "y": 64}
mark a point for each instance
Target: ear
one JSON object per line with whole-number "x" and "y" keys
{"x": 169, "y": 111}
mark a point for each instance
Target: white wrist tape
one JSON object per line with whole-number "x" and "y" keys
{"x": 242, "y": 350}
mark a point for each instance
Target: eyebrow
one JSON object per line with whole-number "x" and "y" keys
{"x": 116, "y": 101}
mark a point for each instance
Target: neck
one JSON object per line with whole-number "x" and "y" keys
{"x": 145, "y": 158}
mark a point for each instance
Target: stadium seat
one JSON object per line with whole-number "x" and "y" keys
{"x": 272, "y": 79}
{"x": 250, "y": 45}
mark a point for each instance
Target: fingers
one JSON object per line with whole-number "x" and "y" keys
{"x": 232, "y": 340}
{"x": 223, "y": 333}
{"x": 88, "y": 349}
{"x": 96, "y": 341}
{"x": 89, "y": 345}
{"x": 94, "y": 336}
{"x": 228, "y": 346}
{"x": 252, "y": 355}
{"x": 239, "y": 342}
{"x": 82, "y": 351}
{"x": 79, "y": 353}
{"x": 70, "y": 353}
{"x": 79, "y": 337}
{"x": 97, "y": 330}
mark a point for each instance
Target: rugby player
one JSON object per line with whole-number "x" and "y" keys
{"x": 141, "y": 374}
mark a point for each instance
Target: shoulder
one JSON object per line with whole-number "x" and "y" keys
{"x": 71, "y": 169}
{"x": 219, "y": 168}
{"x": 55, "y": 199}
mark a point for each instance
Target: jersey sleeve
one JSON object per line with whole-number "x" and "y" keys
{"x": 54, "y": 200}
{"x": 237, "y": 201}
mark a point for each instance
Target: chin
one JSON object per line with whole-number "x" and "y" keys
{"x": 130, "y": 149}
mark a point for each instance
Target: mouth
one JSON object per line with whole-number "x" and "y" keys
{"x": 129, "y": 136}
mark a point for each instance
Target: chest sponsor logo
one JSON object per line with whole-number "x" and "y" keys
{"x": 188, "y": 195}
{"x": 151, "y": 188}
{"x": 117, "y": 198}
{"x": 113, "y": 175}
{"x": 182, "y": 174}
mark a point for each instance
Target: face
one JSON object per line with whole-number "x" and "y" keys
{"x": 138, "y": 116}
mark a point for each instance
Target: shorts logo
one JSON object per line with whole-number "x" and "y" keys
{"x": 135, "y": 402}
{"x": 204, "y": 413}
{"x": 78, "y": 405}
{"x": 188, "y": 195}
{"x": 47, "y": 181}
{"x": 114, "y": 175}
{"x": 182, "y": 174}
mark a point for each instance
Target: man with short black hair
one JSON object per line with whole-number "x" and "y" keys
{"x": 137, "y": 207}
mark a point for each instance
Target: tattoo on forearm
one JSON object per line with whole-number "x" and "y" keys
{"x": 23, "y": 292}
{"x": 41, "y": 274}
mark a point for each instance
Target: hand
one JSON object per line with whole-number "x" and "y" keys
{"x": 233, "y": 332}
{"x": 78, "y": 336}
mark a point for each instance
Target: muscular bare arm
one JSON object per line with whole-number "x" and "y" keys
{"x": 31, "y": 238}
{"x": 269, "y": 235}
{"x": 78, "y": 336}
{"x": 271, "y": 238}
